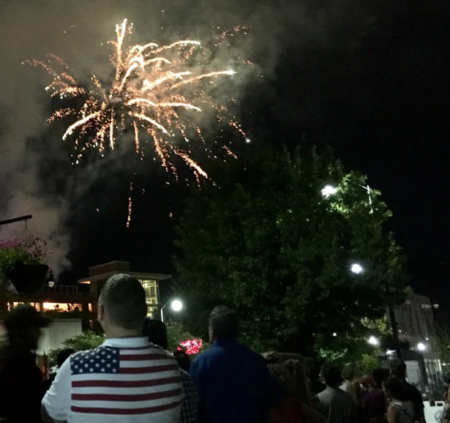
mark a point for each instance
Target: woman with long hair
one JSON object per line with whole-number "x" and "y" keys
{"x": 400, "y": 407}
{"x": 297, "y": 405}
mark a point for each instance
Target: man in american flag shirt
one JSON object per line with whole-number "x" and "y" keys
{"x": 126, "y": 379}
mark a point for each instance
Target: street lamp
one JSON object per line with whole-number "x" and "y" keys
{"x": 328, "y": 191}
{"x": 421, "y": 346}
{"x": 51, "y": 280}
{"x": 356, "y": 268}
{"x": 373, "y": 341}
{"x": 175, "y": 305}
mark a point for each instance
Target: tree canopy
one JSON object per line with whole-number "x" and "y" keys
{"x": 81, "y": 342}
{"x": 267, "y": 240}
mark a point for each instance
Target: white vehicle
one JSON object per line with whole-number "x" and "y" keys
{"x": 433, "y": 411}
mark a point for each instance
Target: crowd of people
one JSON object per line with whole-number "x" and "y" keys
{"x": 132, "y": 377}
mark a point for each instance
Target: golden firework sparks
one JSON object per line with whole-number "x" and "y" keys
{"x": 157, "y": 92}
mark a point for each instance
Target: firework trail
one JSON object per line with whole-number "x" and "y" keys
{"x": 157, "y": 93}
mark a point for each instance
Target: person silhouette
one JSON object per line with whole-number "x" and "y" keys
{"x": 21, "y": 386}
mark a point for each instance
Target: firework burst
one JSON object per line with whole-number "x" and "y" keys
{"x": 157, "y": 94}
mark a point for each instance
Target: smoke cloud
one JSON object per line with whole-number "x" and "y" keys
{"x": 78, "y": 32}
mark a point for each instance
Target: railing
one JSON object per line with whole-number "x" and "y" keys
{"x": 61, "y": 290}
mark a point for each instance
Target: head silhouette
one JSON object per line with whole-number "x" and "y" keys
{"x": 223, "y": 323}
{"x": 121, "y": 306}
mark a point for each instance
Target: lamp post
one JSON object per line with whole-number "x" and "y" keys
{"x": 16, "y": 219}
{"x": 175, "y": 305}
{"x": 357, "y": 269}
{"x": 329, "y": 190}
{"x": 398, "y": 350}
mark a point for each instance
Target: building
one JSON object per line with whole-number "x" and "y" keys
{"x": 415, "y": 322}
{"x": 98, "y": 275}
{"x": 80, "y": 301}
{"x": 55, "y": 299}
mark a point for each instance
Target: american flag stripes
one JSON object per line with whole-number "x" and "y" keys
{"x": 124, "y": 381}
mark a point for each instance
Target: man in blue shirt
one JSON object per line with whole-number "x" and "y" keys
{"x": 233, "y": 381}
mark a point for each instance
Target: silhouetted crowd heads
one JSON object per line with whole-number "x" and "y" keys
{"x": 132, "y": 377}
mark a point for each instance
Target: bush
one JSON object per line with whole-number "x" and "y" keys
{"x": 19, "y": 251}
{"x": 177, "y": 334}
{"x": 82, "y": 342}
{"x": 368, "y": 363}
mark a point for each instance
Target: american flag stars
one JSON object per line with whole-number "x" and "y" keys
{"x": 105, "y": 361}
{"x": 125, "y": 377}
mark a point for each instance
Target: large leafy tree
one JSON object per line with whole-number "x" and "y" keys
{"x": 264, "y": 239}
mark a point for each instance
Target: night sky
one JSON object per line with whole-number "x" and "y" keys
{"x": 372, "y": 81}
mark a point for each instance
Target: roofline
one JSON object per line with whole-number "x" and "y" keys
{"x": 138, "y": 275}
{"x": 109, "y": 262}
{"x": 420, "y": 297}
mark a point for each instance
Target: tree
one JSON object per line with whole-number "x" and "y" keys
{"x": 175, "y": 335}
{"x": 443, "y": 342}
{"x": 265, "y": 240}
{"x": 82, "y": 342}
{"x": 368, "y": 363}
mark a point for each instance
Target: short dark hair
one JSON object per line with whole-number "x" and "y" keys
{"x": 63, "y": 355}
{"x": 395, "y": 388}
{"x": 398, "y": 369}
{"x": 156, "y": 332}
{"x": 224, "y": 323}
{"x": 332, "y": 374}
{"x": 124, "y": 299}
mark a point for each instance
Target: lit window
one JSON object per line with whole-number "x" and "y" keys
{"x": 61, "y": 307}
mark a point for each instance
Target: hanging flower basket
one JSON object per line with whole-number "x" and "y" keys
{"x": 23, "y": 263}
{"x": 28, "y": 278}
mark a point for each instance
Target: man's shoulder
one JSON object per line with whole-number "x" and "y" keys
{"x": 218, "y": 352}
{"x": 252, "y": 354}
{"x": 411, "y": 387}
{"x": 413, "y": 390}
{"x": 326, "y": 393}
{"x": 334, "y": 394}
{"x": 109, "y": 352}
{"x": 212, "y": 358}
{"x": 344, "y": 395}
{"x": 88, "y": 354}
{"x": 414, "y": 393}
{"x": 211, "y": 353}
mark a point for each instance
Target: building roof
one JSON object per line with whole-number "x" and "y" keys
{"x": 105, "y": 271}
{"x": 419, "y": 299}
{"x": 137, "y": 275}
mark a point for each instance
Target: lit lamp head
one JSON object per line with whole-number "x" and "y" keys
{"x": 373, "y": 341}
{"x": 176, "y": 305}
{"x": 421, "y": 346}
{"x": 51, "y": 280}
{"x": 328, "y": 191}
{"x": 356, "y": 268}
